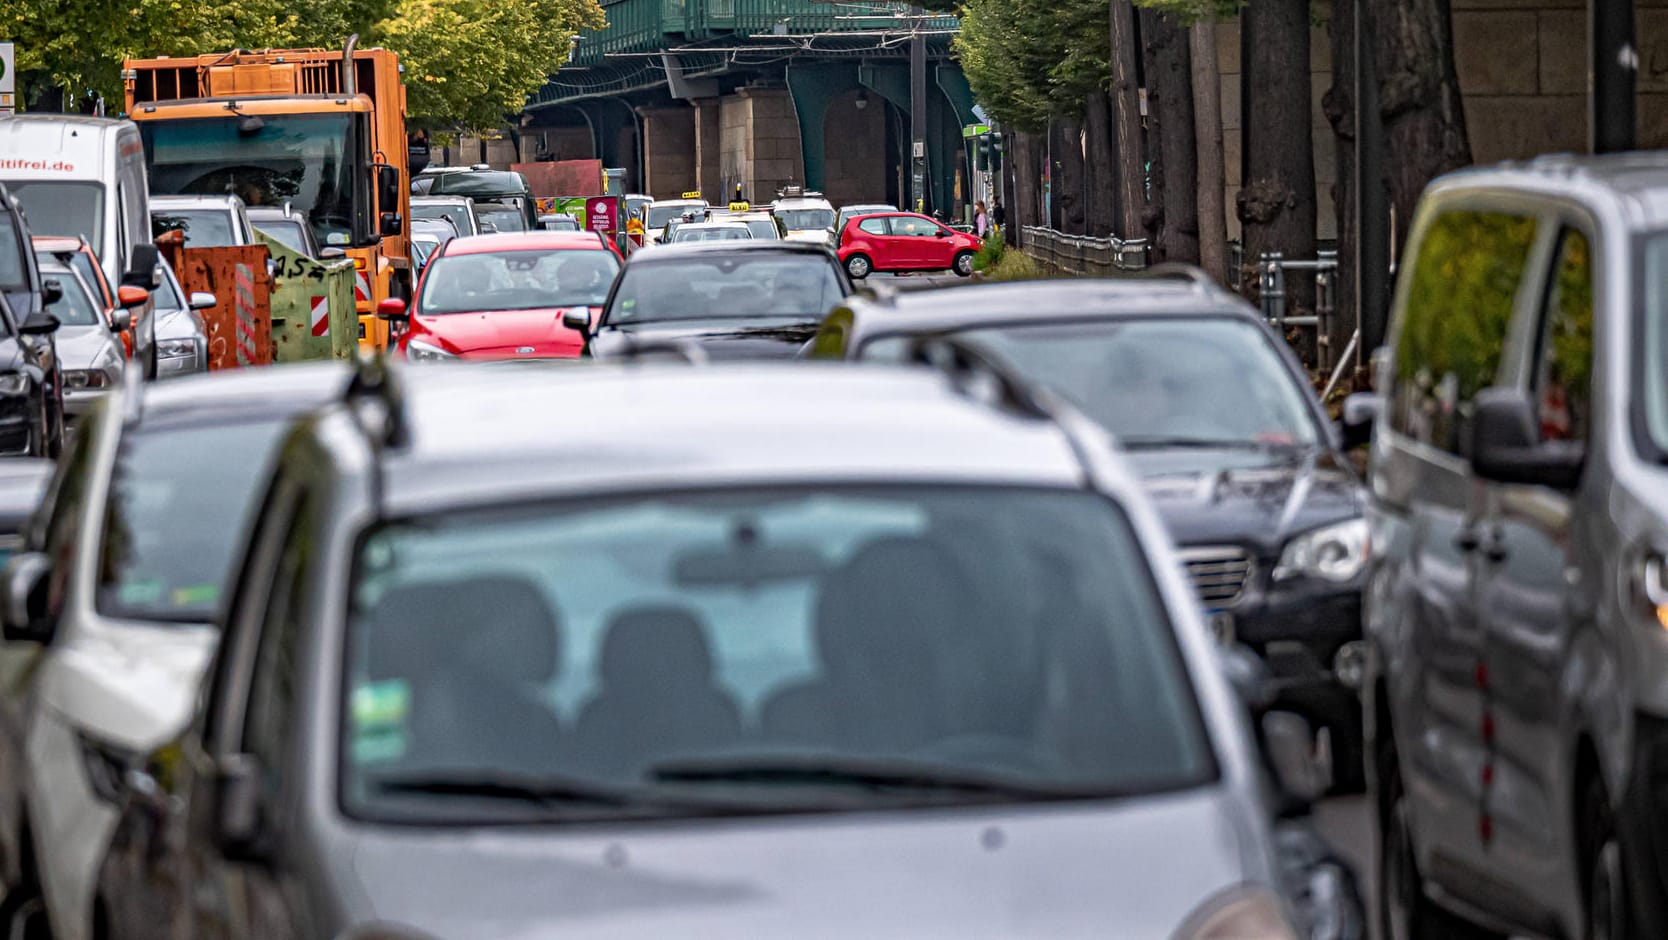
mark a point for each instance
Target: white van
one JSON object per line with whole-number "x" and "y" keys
{"x": 85, "y": 176}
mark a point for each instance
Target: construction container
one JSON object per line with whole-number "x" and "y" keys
{"x": 312, "y": 306}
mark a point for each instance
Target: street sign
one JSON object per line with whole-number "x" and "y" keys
{"x": 8, "y": 78}
{"x": 602, "y": 214}
{"x": 975, "y": 130}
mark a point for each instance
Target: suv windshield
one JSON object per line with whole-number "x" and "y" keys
{"x": 503, "y": 218}
{"x": 816, "y": 649}
{"x": 805, "y": 220}
{"x": 726, "y": 285}
{"x": 180, "y": 498}
{"x": 517, "y": 280}
{"x": 1179, "y": 380}
{"x": 662, "y": 212}
{"x": 57, "y": 207}
{"x": 456, "y": 212}
{"x": 203, "y": 228}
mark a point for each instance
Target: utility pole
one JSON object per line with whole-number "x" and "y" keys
{"x": 1614, "y": 66}
{"x": 917, "y": 110}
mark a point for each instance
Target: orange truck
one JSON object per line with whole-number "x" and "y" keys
{"x": 320, "y": 130}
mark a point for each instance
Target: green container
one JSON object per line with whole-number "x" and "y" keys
{"x": 313, "y": 311}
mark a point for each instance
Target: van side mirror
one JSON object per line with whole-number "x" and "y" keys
{"x": 240, "y": 829}
{"x": 52, "y": 291}
{"x": 143, "y": 267}
{"x": 128, "y": 296}
{"x": 23, "y": 607}
{"x": 1506, "y": 444}
{"x": 1359, "y": 414}
{"x": 387, "y": 189}
{"x": 391, "y": 223}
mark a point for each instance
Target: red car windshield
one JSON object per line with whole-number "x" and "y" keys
{"x": 517, "y": 280}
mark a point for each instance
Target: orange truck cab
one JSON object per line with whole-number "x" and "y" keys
{"x": 296, "y": 127}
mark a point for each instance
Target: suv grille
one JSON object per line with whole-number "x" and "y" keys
{"x": 1218, "y": 572}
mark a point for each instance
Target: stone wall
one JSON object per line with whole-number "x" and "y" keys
{"x": 759, "y": 144}
{"x": 668, "y": 150}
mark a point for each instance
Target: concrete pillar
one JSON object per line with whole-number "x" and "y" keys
{"x": 709, "y": 162}
{"x": 668, "y": 150}
{"x": 854, "y": 170}
{"x": 759, "y": 143}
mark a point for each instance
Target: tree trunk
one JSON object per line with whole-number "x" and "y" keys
{"x": 1339, "y": 105}
{"x": 1419, "y": 100}
{"x": 1277, "y": 201}
{"x": 1126, "y": 108}
{"x": 1009, "y": 198}
{"x": 1066, "y": 142}
{"x": 1100, "y": 175}
{"x": 1170, "y": 116}
{"x": 1027, "y": 207}
{"x": 1207, "y": 124}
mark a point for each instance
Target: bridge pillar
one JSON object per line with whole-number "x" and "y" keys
{"x": 759, "y": 143}
{"x": 669, "y": 150}
{"x": 709, "y": 161}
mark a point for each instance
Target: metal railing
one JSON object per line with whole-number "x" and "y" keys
{"x": 1272, "y": 270}
{"x": 1081, "y": 255}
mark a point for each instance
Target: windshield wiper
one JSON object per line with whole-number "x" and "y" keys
{"x": 868, "y": 773}
{"x": 543, "y": 790}
{"x": 1201, "y": 443}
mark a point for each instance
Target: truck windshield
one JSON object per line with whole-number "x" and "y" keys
{"x": 305, "y": 160}
{"x": 61, "y": 207}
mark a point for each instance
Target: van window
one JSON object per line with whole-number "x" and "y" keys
{"x": 63, "y": 207}
{"x": 1564, "y": 370}
{"x": 1456, "y": 314}
{"x": 13, "y": 274}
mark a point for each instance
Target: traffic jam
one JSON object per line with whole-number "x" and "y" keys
{"x": 419, "y": 553}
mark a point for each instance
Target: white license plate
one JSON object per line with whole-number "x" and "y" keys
{"x": 1221, "y": 624}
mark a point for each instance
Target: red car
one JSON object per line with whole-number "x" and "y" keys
{"x": 904, "y": 241}
{"x": 505, "y": 296}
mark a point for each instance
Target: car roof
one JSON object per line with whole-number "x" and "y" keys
{"x": 672, "y": 251}
{"x": 196, "y": 202}
{"x": 647, "y": 424}
{"x": 269, "y": 213}
{"x": 60, "y": 243}
{"x": 803, "y": 202}
{"x": 439, "y": 200}
{"x": 288, "y": 388}
{"x": 1066, "y": 300}
{"x": 1635, "y": 183}
{"x": 523, "y": 241}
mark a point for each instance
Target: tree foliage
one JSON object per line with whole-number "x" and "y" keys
{"x": 1026, "y": 59}
{"x": 468, "y": 62}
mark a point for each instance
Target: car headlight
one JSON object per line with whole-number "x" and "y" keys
{"x": 419, "y": 351}
{"x": 1336, "y": 552}
{"x": 78, "y": 379}
{"x": 14, "y": 383}
{"x": 1239, "y": 914}
{"x": 176, "y": 348}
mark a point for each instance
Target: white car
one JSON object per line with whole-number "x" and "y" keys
{"x": 807, "y": 218}
{"x": 711, "y": 232}
{"x": 108, "y": 610}
{"x": 206, "y": 221}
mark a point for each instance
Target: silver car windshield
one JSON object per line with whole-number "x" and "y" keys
{"x": 1141, "y": 378}
{"x": 726, "y": 285}
{"x": 762, "y": 650}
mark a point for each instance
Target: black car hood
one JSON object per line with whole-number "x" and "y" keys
{"x": 750, "y": 338}
{"x": 1249, "y": 497}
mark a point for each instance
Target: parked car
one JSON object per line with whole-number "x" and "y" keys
{"x": 904, "y": 241}
{"x": 1516, "y": 604}
{"x": 31, "y": 386}
{"x": 1220, "y": 421}
{"x": 127, "y": 302}
{"x": 22, "y": 481}
{"x": 206, "y": 221}
{"x": 738, "y": 299}
{"x": 459, "y": 210}
{"x": 711, "y": 232}
{"x": 109, "y": 607}
{"x": 181, "y": 333}
{"x": 291, "y": 228}
{"x": 506, "y": 296}
{"x": 806, "y": 216}
{"x": 713, "y": 653}
{"x": 88, "y": 340}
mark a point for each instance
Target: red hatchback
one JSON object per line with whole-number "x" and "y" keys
{"x": 504, "y": 296}
{"x": 904, "y": 241}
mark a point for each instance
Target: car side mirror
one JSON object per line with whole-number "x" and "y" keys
{"x": 392, "y": 309}
{"x": 577, "y": 319}
{"x": 391, "y": 223}
{"x": 202, "y": 300}
{"x": 121, "y": 320}
{"x": 143, "y": 267}
{"x": 488, "y": 228}
{"x": 1301, "y": 762}
{"x": 326, "y": 254}
{"x": 943, "y": 233}
{"x": 128, "y": 296}
{"x": 1360, "y": 412}
{"x": 1506, "y": 444}
{"x": 387, "y": 187}
{"x": 40, "y": 323}
{"x": 23, "y": 597}
{"x": 1248, "y": 675}
{"x": 52, "y": 291}
{"x": 240, "y": 830}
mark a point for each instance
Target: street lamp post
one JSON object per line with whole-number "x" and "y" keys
{"x": 917, "y": 110}
{"x": 1614, "y": 66}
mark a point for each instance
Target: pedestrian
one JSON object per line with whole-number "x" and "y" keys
{"x": 999, "y": 215}
{"x": 981, "y": 221}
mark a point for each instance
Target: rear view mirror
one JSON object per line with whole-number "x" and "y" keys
{"x": 202, "y": 300}
{"x": 1506, "y": 444}
{"x": 52, "y": 291}
{"x": 143, "y": 267}
{"x": 391, "y": 224}
{"x": 129, "y": 296}
{"x": 1302, "y": 764}
{"x": 121, "y": 320}
{"x": 39, "y": 324}
{"x": 326, "y": 254}
{"x": 747, "y": 564}
{"x": 1248, "y": 675}
{"x": 387, "y": 189}
{"x": 391, "y": 309}
{"x": 488, "y": 228}
{"x": 23, "y": 588}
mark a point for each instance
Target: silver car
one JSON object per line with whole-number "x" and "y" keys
{"x": 181, "y": 334}
{"x": 90, "y": 351}
{"x": 747, "y": 651}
